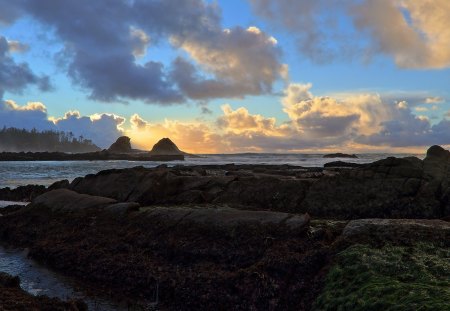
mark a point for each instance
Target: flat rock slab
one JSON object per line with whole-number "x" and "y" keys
{"x": 405, "y": 230}
{"x": 226, "y": 217}
{"x": 66, "y": 200}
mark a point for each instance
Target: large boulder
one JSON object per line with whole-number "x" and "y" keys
{"x": 66, "y": 200}
{"x": 122, "y": 145}
{"x": 387, "y": 188}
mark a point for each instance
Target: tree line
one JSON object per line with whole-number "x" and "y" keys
{"x": 16, "y": 140}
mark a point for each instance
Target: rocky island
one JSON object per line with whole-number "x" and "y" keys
{"x": 261, "y": 237}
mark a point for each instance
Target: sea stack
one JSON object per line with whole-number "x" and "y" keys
{"x": 166, "y": 147}
{"x": 122, "y": 145}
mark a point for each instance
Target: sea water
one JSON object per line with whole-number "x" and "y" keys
{"x": 17, "y": 173}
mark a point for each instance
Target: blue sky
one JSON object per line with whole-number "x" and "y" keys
{"x": 216, "y": 72}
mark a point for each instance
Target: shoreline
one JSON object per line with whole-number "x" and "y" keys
{"x": 243, "y": 236}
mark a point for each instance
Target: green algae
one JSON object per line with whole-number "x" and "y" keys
{"x": 388, "y": 278}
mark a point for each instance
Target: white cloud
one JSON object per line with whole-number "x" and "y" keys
{"x": 102, "y": 129}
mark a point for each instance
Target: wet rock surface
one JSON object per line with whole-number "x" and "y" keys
{"x": 13, "y": 298}
{"x": 192, "y": 257}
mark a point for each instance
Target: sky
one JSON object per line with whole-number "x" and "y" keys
{"x": 231, "y": 76}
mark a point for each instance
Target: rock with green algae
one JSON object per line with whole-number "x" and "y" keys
{"x": 388, "y": 278}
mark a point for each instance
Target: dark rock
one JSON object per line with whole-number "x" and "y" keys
{"x": 165, "y": 147}
{"x": 22, "y": 193}
{"x": 12, "y": 297}
{"x": 405, "y": 231}
{"x": 9, "y": 281}
{"x": 341, "y": 155}
{"x": 389, "y": 188}
{"x": 342, "y": 164}
{"x": 122, "y": 145}
{"x": 200, "y": 258}
{"x": 66, "y": 200}
{"x": 104, "y": 155}
{"x": 62, "y": 184}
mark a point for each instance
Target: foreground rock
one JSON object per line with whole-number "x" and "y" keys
{"x": 342, "y": 164}
{"x": 22, "y": 193}
{"x": 195, "y": 258}
{"x": 404, "y": 231}
{"x": 13, "y": 298}
{"x": 389, "y": 188}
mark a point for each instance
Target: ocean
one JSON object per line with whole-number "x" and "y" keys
{"x": 14, "y": 174}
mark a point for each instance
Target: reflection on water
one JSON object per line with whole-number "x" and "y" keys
{"x": 16, "y": 173}
{"x": 7, "y": 203}
{"x": 38, "y": 280}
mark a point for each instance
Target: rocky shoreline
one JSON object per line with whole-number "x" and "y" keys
{"x": 249, "y": 236}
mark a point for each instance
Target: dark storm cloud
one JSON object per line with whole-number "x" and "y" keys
{"x": 15, "y": 77}
{"x": 99, "y": 49}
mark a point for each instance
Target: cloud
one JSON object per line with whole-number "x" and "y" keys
{"x": 140, "y": 42}
{"x": 189, "y": 136}
{"x": 415, "y": 33}
{"x": 99, "y": 50}
{"x": 355, "y": 121}
{"x": 434, "y": 100}
{"x": 106, "y": 47}
{"x": 241, "y": 121}
{"x": 16, "y": 46}
{"x": 350, "y": 122}
{"x": 331, "y": 117}
{"x": 15, "y": 77}
{"x": 29, "y": 116}
{"x": 10, "y": 11}
{"x": 421, "y": 109}
{"x": 102, "y": 129}
{"x": 242, "y": 61}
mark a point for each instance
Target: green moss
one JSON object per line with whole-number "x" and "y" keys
{"x": 388, "y": 278}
